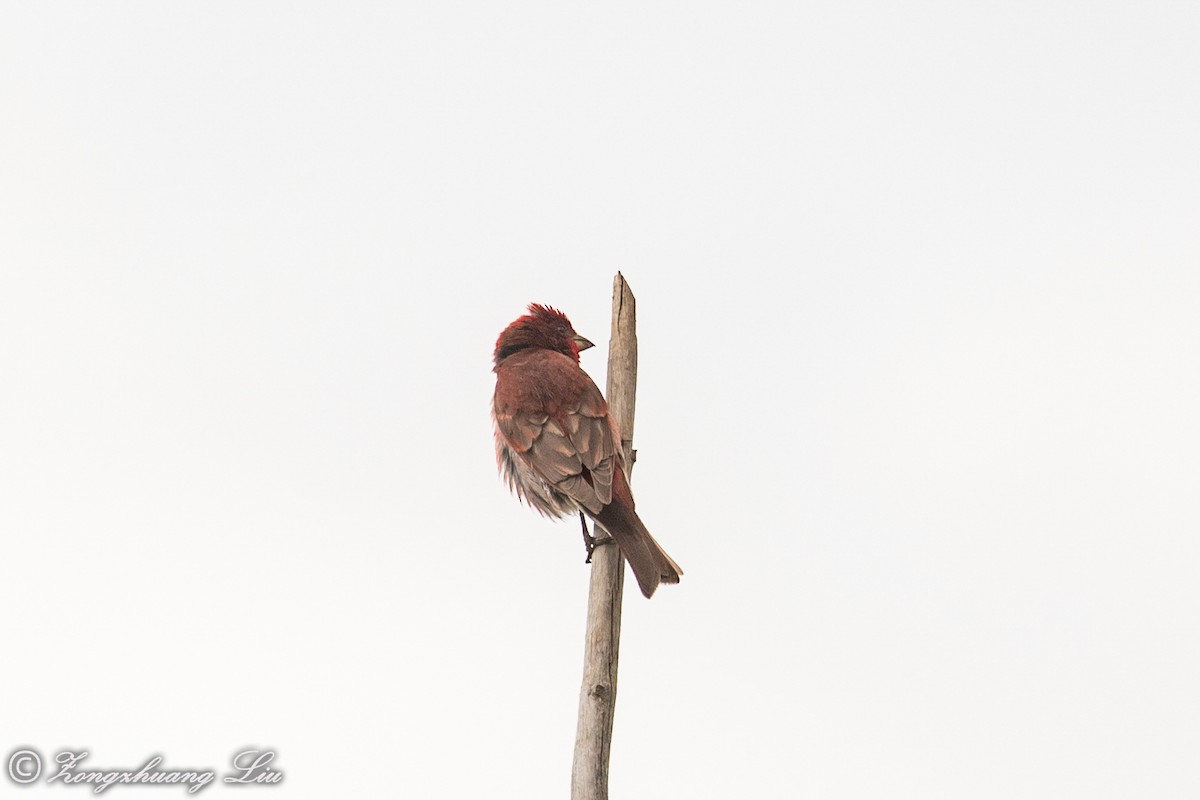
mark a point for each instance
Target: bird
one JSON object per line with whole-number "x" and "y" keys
{"x": 558, "y": 448}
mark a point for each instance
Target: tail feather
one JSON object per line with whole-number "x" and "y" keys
{"x": 650, "y": 563}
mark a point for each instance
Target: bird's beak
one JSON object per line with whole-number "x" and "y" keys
{"x": 581, "y": 343}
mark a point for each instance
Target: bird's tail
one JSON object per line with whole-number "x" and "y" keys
{"x": 650, "y": 563}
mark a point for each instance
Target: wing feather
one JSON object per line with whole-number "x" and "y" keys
{"x": 569, "y": 450}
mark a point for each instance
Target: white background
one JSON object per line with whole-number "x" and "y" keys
{"x": 917, "y": 413}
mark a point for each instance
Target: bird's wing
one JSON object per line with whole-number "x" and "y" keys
{"x": 571, "y": 448}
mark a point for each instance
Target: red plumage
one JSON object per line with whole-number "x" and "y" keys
{"x": 556, "y": 445}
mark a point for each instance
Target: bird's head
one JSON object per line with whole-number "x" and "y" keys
{"x": 543, "y": 327}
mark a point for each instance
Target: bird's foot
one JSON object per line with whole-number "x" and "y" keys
{"x": 590, "y": 542}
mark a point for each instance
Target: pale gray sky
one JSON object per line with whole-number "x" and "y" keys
{"x": 918, "y": 296}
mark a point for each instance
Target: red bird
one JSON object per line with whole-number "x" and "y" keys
{"x": 556, "y": 445}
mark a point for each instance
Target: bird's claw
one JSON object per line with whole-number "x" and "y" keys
{"x": 590, "y": 542}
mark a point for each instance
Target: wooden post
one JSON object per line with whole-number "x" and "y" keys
{"x": 602, "y": 643}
